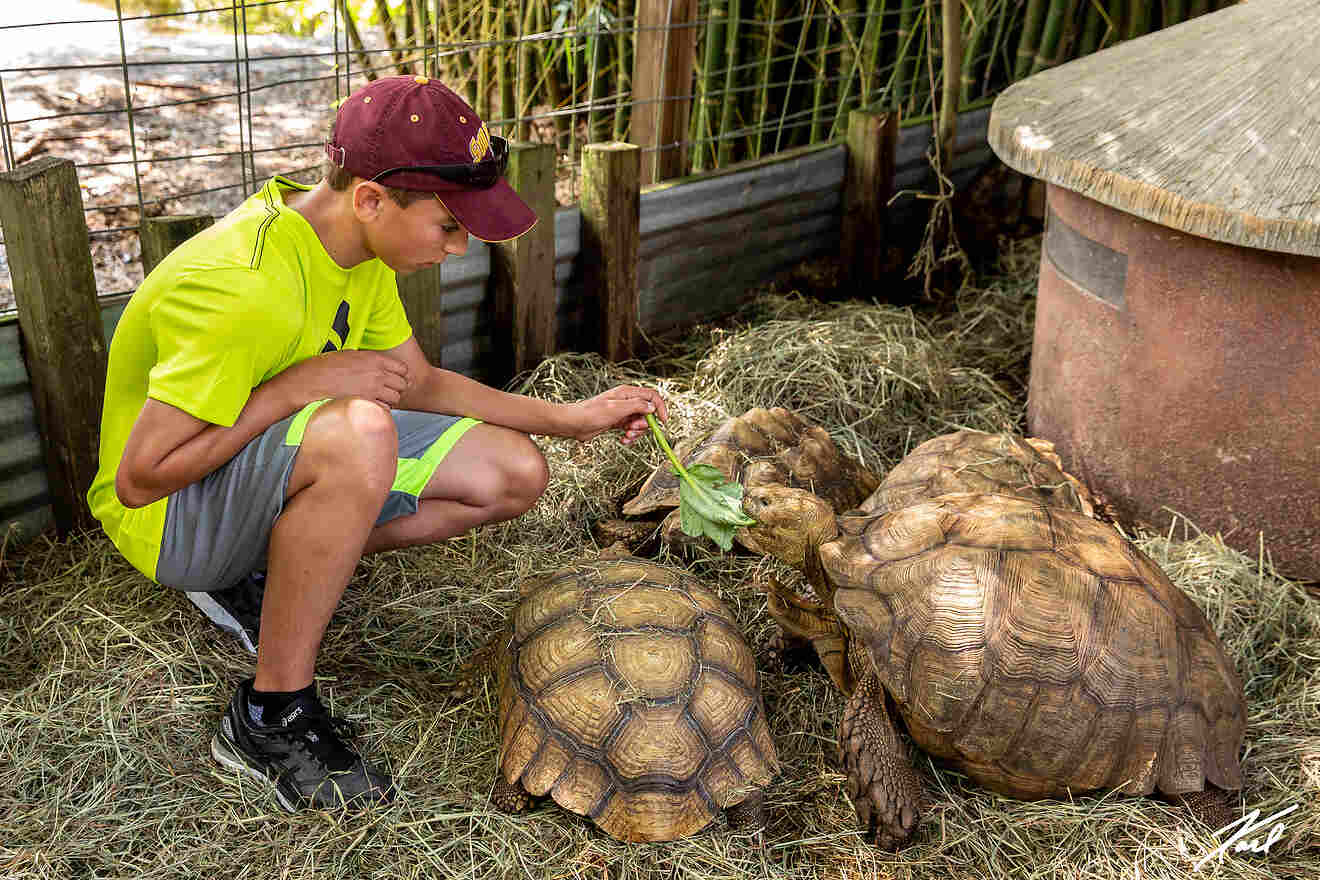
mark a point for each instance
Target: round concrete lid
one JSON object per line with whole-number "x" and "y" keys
{"x": 1211, "y": 127}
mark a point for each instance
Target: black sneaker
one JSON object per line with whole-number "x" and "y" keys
{"x": 304, "y": 756}
{"x": 237, "y": 609}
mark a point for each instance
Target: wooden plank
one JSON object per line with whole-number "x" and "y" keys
{"x": 522, "y": 271}
{"x": 663, "y": 63}
{"x": 41, "y": 212}
{"x": 867, "y": 186}
{"x": 611, "y": 232}
{"x": 420, "y": 292}
{"x": 160, "y": 235}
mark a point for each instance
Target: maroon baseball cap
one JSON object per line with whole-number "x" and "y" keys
{"x": 396, "y": 128}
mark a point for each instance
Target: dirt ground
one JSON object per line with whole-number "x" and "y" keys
{"x": 63, "y": 92}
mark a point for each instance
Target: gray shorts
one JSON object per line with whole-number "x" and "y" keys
{"x": 217, "y": 530}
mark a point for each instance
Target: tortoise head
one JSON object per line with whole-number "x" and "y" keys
{"x": 790, "y": 523}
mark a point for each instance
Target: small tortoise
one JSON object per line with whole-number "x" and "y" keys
{"x": 973, "y": 461}
{"x": 761, "y": 447}
{"x": 627, "y": 694}
{"x": 1034, "y": 649}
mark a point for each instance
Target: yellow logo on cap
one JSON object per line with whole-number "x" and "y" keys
{"x": 479, "y": 144}
{"x": 420, "y": 80}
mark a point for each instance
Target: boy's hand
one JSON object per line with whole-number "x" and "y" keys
{"x": 371, "y": 375}
{"x": 623, "y": 407}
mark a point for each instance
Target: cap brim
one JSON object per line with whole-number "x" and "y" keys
{"x": 492, "y": 215}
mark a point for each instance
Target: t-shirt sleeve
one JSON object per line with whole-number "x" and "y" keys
{"x": 388, "y": 324}
{"x": 213, "y": 342}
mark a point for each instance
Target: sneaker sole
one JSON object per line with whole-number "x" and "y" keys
{"x": 228, "y": 756}
{"x": 222, "y": 618}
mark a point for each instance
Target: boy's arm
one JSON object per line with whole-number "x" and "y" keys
{"x": 438, "y": 390}
{"x": 169, "y": 448}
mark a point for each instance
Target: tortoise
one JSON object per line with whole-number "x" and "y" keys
{"x": 974, "y": 461}
{"x": 761, "y": 447}
{"x": 1032, "y": 648}
{"x": 628, "y": 694}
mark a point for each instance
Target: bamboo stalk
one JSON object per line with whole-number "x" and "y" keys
{"x": 980, "y": 20}
{"x": 482, "y": 105}
{"x": 717, "y": 15}
{"x": 1001, "y": 27}
{"x": 523, "y": 104}
{"x": 623, "y": 79}
{"x": 902, "y": 77}
{"x": 821, "y": 89}
{"x": 763, "y": 93}
{"x": 792, "y": 73}
{"x": 1197, "y": 7}
{"x": 1175, "y": 11}
{"x": 732, "y": 44}
{"x": 1053, "y": 41}
{"x": 1138, "y": 21}
{"x": 391, "y": 38}
{"x": 951, "y": 13}
{"x": 871, "y": 38}
{"x": 595, "y": 50}
{"x": 508, "y": 65}
{"x": 1029, "y": 41}
{"x": 1094, "y": 29}
{"x": 1117, "y": 10}
{"x": 355, "y": 37}
{"x": 849, "y": 55}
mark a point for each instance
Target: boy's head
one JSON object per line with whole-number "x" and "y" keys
{"x": 412, "y": 133}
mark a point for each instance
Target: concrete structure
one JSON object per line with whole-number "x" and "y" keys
{"x": 1176, "y": 360}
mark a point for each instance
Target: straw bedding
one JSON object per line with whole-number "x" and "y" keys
{"x": 110, "y": 687}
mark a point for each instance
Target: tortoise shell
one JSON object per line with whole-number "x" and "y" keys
{"x": 973, "y": 461}
{"x": 1037, "y": 649}
{"x": 628, "y": 694}
{"x": 765, "y": 447}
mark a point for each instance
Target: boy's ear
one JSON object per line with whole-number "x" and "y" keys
{"x": 368, "y": 200}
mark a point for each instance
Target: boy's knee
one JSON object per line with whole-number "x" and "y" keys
{"x": 356, "y": 436}
{"x": 526, "y": 476}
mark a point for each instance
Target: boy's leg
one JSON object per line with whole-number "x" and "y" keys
{"x": 492, "y": 474}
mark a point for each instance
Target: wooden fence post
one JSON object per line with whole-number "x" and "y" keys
{"x": 611, "y": 231}
{"x": 420, "y": 293}
{"x": 160, "y": 235}
{"x": 663, "y": 61}
{"x": 522, "y": 271}
{"x": 59, "y": 318}
{"x": 868, "y": 185}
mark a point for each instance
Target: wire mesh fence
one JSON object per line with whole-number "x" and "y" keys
{"x": 186, "y": 106}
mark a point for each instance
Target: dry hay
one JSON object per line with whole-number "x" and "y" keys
{"x": 110, "y": 687}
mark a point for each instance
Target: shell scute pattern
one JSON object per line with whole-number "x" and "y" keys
{"x": 972, "y": 461}
{"x": 1057, "y": 658}
{"x": 637, "y": 704}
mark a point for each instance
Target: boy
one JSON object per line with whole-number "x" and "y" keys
{"x": 267, "y": 409}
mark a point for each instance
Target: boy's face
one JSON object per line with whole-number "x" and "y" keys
{"x": 409, "y": 239}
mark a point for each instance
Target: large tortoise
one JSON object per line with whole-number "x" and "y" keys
{"x": 974, "y": 461}
{"x": 628, "y": 695}
{"x": 1034, "y": 649}
{"x": 761, "y": 447}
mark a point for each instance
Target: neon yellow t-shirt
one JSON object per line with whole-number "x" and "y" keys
{"x": 227, "y": 310}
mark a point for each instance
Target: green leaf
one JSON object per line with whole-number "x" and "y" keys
{"x": 709, "y": 504}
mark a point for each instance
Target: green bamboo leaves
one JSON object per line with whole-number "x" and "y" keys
{"x": 708, "y": 503}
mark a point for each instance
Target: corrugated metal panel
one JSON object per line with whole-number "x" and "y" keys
{"x": 703, "y": 244}
{"x": 24, "y": 492}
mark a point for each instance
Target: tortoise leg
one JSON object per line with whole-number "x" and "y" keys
{"x": 1214, "y": 808}
{"x": 509, "y": 797}
{"x": 882, "y": 783}
{"x": 748, "y": 815}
